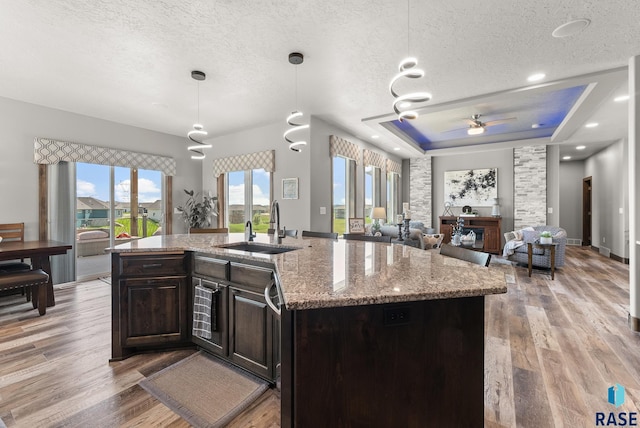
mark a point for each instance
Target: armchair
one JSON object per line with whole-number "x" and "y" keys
{"x": 515, "y": 248}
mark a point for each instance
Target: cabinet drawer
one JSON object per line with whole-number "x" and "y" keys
{"x": 250, "y": 276}
{"x": 210, "y": 267}
{"x": 153, "y": 265}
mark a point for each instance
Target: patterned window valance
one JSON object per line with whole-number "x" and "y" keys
{"x": 374, "y": 159}
{"x": 46, "y": 151}
{"x": 341, "y": 147}
{"x": 257, "y": 160}
{"x": 393, "y": 166}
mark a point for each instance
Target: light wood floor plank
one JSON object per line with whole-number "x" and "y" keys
{"x": 552, "y": 350}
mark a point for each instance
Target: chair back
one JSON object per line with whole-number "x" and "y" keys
{"x": 218, "y": 230}
{"x": 310, "y": 234}
{"x": 369, "y": 238}
{"x": 465, "y": 254}
{"x": 12, "y": 231}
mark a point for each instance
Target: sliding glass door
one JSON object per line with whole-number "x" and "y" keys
{"x": 114, "y": 205}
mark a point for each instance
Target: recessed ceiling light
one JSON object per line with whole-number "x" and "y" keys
{"x": 396, "y": 148}
{"x": 591, "y": 125}
{"x": 566, "y": 157}
{"x": 375, "y": 137}
{"x": 621, "y": 98}
{"x": 581, "y": 147}
{"x": 570, "y": 28}
{"x": 536, "y": 77}
{"x": 536, "y": 125}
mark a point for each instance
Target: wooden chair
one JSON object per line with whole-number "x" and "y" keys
{"x": 218, "y": 230}
{"x": 369, "y": 238}
{"x": 476, "y": 257}
{"x": 13, "y": 232}
{"x": 310, "y": 234}
{"x": 36, "y": 280}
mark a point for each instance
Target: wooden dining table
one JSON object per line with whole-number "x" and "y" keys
{"x": 39, "y": 252}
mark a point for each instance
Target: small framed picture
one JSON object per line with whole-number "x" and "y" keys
{"x": 356, "y": 225}
{"x": 289, "y": 188}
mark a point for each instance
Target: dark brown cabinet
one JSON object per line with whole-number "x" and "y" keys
{"x": 251, "y": 332}
{"x": 150, "y": 296}
{"x": 246, "y": 329}
{"x": 489, "y": 226}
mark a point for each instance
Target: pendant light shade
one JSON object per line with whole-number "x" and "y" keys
{"x": 403, "y": 104}
{"x": 197, "y": 134}
{"x": 296, "y": 145}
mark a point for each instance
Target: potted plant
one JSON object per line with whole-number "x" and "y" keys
{"x": 197, "y": 214}
{"x": 546, "y": 238}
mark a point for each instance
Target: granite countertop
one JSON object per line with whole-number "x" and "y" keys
{"x": 333, "y": 273}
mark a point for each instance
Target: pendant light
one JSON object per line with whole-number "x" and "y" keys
{"x": 295, "y": 58}
{"x": 198, "y": 133}
{"x": 402, "y": 103}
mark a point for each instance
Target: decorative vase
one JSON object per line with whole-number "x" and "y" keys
{"x": 546, "y": 240}
{"x": 455, "y": 240}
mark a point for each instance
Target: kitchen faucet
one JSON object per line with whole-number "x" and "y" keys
{"x": 250, "y": 235}
{"x": 275, "y": 217}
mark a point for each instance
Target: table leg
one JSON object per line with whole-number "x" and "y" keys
{"x": 530, "y": 257}
{"x": 39, "y": 297}
{"x": 553, "y": 261}
{"x": 42, "y": 262}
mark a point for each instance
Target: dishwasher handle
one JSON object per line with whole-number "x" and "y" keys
{"x": 267, "y": 297}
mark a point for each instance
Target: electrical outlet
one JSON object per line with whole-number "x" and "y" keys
{"x": 397, "y": 316}
{"x": 550, "y": 210}
{"x": 603, "y": 240}
{"x": 323, "y": 210}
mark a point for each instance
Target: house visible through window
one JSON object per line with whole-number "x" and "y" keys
{"x": 371, "y": 191}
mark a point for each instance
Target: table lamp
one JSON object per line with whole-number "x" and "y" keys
{"x": 378, "y": 213}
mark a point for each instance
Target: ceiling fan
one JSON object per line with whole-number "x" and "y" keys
{"x": 477, "y": 127}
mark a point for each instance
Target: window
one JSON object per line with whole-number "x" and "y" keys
{"x": 371, "y": 191}
{"x": 343, "y": 203}
{"x": 248, "y": 197}
{"x": 393, "y": 196}
{"x": 99, "y": 219}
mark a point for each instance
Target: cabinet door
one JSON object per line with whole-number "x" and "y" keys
{"x": 153, "y": 311}
{"x": 251, "y": 325}
{"x": 491, "y": 240}
{"x": 217, "y": 343}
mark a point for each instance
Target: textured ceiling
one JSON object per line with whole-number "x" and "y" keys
{"x": 130, "y": 61}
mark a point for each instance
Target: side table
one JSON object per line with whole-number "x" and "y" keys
{"x": 551, "y": 247}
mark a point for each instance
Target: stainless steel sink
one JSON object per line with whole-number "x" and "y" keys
{"x": 255, "y": 247}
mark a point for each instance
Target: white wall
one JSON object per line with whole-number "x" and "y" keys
{"x": 609, "y": 170}
{"x": 501, "y": 159}
{"x": 312, "y": 167}
{"x": 571, "y": 176}
{"x": 294, "y": 213}
{"x": 21, "y": 122}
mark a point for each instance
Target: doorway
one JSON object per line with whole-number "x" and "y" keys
{"x": 586, "y": 210}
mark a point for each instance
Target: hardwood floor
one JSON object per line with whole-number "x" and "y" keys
{"x": 553, "y": 348}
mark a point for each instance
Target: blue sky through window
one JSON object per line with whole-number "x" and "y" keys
{"x": 93, "y": 180}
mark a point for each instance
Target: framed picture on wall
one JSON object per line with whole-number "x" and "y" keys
{"x": 472, "y": 187}
{"x": 356, "y": 225}
{"x": 289, "y": 188}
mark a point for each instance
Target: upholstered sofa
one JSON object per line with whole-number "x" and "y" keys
{"x": 515, "y": 248}
{"x": 424, "y": 237}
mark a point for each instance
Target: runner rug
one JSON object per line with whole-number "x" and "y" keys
{"x": 205, "y": 391}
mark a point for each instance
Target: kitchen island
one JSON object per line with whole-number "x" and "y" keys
{"x": 371, "y": 334}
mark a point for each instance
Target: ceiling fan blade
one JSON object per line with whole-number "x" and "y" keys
{"x": 500, "y": 121}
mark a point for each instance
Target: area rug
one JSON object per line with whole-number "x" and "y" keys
{"x": 203, "y": 390}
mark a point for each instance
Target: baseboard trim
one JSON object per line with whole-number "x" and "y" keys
{"x": 613, "y": 256}
{"x": 634, "y": 323}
